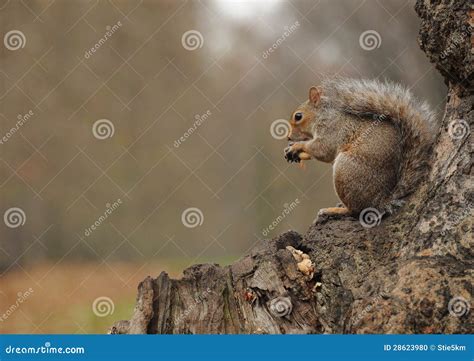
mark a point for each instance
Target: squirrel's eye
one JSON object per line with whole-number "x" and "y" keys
{"x": 298, "y": 116}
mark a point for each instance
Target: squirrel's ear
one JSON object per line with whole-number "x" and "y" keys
{"x": 315, "y": 94}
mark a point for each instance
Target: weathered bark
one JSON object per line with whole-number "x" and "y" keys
{"x": 410, "y": 274}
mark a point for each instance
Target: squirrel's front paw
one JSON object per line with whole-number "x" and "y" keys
{"x": 292, "y": 155}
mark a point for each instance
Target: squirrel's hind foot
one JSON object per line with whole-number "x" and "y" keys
{"x": 325, "y": 214}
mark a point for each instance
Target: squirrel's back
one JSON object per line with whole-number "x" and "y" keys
{"x": 385, "y": 101}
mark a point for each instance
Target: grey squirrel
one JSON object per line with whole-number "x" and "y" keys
{"x": 376, "y": 134}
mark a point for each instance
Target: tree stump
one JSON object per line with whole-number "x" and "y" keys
{"x": 412, "y": 273}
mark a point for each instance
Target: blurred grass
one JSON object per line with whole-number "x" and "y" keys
{"x": 63, "y": 294}
{"x": 83, "y": 315}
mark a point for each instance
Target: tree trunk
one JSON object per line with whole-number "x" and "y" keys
{"x": 410, "y": 274}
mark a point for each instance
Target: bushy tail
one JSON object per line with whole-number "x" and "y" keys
{"x": 394, "y": 103}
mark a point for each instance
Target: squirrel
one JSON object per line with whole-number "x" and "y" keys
{"x": 376, "y": 134}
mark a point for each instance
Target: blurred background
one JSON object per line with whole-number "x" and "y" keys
{"x": 146, "y": 136}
